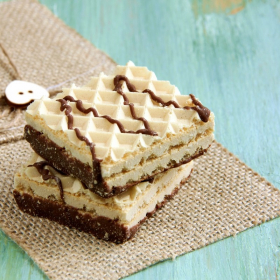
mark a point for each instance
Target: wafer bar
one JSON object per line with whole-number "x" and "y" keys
{"x": 119, "y": 130}
{"x": 40, "y": 190}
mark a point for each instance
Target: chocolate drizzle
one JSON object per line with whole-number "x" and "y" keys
{"x": 81, "y": 108}
{"x": 90, "y": 144}
{"x": 68, "y": 110}
{"x": 159, "y": 100}
{"x": 46, "y": 175}
{"x": 202, "y": 111}
{"x": 118, "y": 88}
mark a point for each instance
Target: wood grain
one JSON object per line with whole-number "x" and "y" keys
{"x": 229, "y": 58}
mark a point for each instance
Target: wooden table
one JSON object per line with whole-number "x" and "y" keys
{"x": 226, "y": 52}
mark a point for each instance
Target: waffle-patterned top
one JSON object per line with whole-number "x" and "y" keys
{"x": 115, "y": 115}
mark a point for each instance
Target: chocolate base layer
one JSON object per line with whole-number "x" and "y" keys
{"x": 99, "y": 226}
{"x": 60, "y": 159}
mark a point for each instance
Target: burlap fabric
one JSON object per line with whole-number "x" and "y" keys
{"x": 222, "y": 197}
{"x": 45, "y": 51}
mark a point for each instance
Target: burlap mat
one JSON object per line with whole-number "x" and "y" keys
{"x": 45, "y": 51}
{"x": 222, "y": 197}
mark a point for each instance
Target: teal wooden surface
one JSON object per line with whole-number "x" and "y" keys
{"x": 227, "y": 53}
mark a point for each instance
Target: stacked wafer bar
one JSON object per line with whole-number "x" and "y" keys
{"x": 108, "y": 154}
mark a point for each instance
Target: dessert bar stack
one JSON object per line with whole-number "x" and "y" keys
{"x": 109, "y": 154}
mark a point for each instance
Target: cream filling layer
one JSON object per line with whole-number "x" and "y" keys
{"x": 129, "y": 207}
{"x": 156, "y": 165}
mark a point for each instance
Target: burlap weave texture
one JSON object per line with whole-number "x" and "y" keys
{"x": 45, "y": 51}
{"x": 222, "y": 197}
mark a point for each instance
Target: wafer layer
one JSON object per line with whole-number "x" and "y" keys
{"x": 123, "y": 128}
